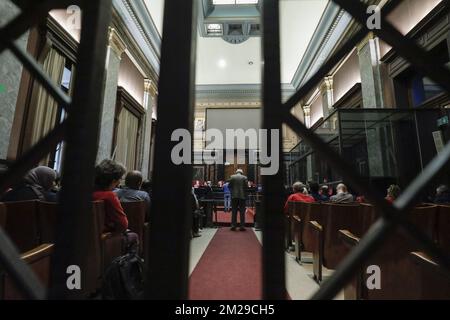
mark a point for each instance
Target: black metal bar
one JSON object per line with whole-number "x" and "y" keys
{"x": 169, "y": 231}
{"x": 23, "y": 277}
{"x": 340, "y": 54}
{"x": 27, "y": 161}
{"x": 81, "y": 146}
{"x": 404, "y": 46}
{"x": 35, "y": 11}
{"x": 35, "y": 70}
{"x": 274, "y": 285}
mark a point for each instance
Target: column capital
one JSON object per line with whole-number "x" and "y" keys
{"x": 307, "y": 110}
{"x": 327, "y": 84}
{"x": 116, "y": 43}
{"x": 362, "y": 44}
{"x": 150, "y": 87}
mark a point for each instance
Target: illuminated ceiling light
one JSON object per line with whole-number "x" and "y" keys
{"x": 219, "y": 2}
{"x": 232, "y": 2}
{"x": 222, "y": 63}
{"x": 247, "y": 1}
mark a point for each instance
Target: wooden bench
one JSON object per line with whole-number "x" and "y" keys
{"x": 398, "y": 280}
{"x": 22, "y": 225}
{"x": 39, "y": 260}
{"x": 328, "y": 250}
{"x": 2, "y": 215}
{"x": 433, "y": 283}
{"x": 135, "y": 212}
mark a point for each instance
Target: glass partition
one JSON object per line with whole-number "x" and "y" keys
{"x": 383, "y": 145}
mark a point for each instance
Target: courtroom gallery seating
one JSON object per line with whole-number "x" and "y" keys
{"x": 135, "y": 212}
{"x": 399, "y": 280}
{"x": 35, "y": 240}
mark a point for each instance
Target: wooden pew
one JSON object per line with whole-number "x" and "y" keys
{"x": 398, "y": 278}
{"x": 21, "y": 224}
{"x": 39, "y": 260}
{"x": 368, "y": 217}
{"x": 47, "y": 221}
{"x": 303, "y": 235}
{"x": 295, "y": 225}
{"x": 111, "y": 244}
{"x": 2, "y": 215}
{"x": 433, "y": 283}
{"x": 135, "y": 212}
{"x": 328, "y": 250}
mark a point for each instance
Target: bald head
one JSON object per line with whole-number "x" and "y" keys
{"x": 133, "y": 180}
{"x": 341, "y": 188}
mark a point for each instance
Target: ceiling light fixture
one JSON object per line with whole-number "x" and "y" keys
{"x": 222, "y": 63}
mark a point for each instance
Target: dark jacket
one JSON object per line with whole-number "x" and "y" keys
{"x": 238, "y": 185}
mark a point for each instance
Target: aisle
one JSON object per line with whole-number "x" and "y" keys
{"x": 230, "y": 268}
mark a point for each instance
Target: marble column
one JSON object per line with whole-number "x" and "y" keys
{"x": 371, "y": 75}
{"x": 373, "y": 97}
{"x": 115, "y": 50}
{"x": 326, "y": 90}
{"x": 11, "y": 74}
{"x": 149, "y": 103}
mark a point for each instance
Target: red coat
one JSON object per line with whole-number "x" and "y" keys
{"x": 115, "y": 218}
{"x": 298, "y": 197}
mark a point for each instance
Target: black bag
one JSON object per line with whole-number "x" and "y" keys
{"x": 123, "y": 279}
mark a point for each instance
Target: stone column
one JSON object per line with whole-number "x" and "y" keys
{"x": 373, "y": 97}
{"x": 11, "y": 74}
{"x": 115, "y": 50}
{"x": 371, "y": 75}
{"x": 150, "y": 94}
{"x": 326, "y": 90}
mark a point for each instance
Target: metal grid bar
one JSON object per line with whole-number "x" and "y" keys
{"x": 393, "y": 215}
{"x": 273, "y": 201}
{"x": 171, "y": 219}
{"x": 81, "y": 146}
{"x": 81, "y": 139}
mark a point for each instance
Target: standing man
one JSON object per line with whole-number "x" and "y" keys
{"x": 238, "y": 185}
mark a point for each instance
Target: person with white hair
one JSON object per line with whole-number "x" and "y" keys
{"x": 342, "y": 195}
{"x": 298, "y": 195}
{"x": 237, "y": 186}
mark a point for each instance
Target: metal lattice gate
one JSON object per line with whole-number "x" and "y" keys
{"x": 167, "y": 275}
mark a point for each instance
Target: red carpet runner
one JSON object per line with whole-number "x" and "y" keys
{"x": 225, "y": 217}
{"x": 230, "y": 268}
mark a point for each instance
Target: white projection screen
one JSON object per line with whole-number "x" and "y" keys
{"x": 223, "y": 119}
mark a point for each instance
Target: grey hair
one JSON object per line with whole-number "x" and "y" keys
{"x": 240, "y": 171}
{"x": 298, "y": 187}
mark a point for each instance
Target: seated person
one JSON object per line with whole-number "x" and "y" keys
{"x": 132, "y": 191}
{"x": 107, "y": 177}
{"x": 298, "y": 196}
{"x": 147, "y": 187}
{"x": 36, "y": 185}
{"x": 319, "y": 197}
{"x": 393, "y": 192}
{"x": 442, "y": 195}
{"x": 342, "y": 195}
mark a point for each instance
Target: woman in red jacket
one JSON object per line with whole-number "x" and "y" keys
{"x": 107, "y": 177}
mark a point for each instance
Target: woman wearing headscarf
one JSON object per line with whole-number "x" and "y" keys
{"x": 36, "y": 185}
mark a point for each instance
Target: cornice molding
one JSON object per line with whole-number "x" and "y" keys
{"x": 134, "y": 24}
